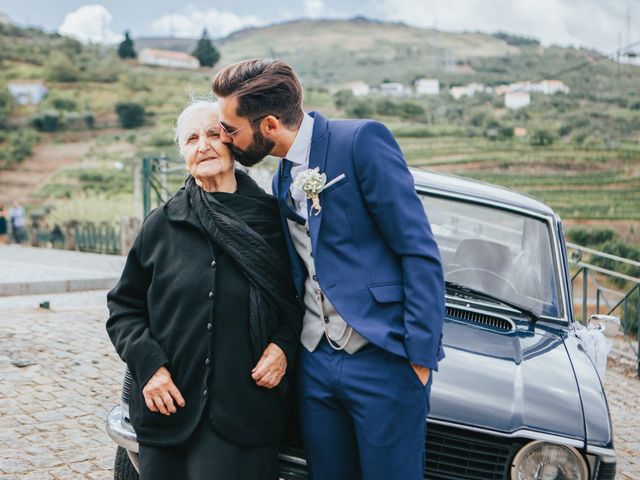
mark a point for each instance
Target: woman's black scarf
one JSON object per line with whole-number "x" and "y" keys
{"x": 254, "y": 240}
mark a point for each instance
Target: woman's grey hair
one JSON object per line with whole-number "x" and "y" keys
{"x": 195, "y": 105}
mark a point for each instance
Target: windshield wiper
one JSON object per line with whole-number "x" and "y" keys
{"x": 533, "y": 318}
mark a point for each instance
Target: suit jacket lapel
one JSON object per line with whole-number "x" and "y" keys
{"x": 317, "y": 158}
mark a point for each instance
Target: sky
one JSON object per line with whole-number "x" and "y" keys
{"x": 600, "y": 24}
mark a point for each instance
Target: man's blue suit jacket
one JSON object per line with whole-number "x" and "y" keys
{"x": 376, "y": 259}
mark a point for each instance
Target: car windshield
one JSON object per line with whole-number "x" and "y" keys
{"x": 504, "y": 254}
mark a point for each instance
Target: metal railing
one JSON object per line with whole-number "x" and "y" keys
{"x": 623, "y": 301}
{"x": 158, "y": 173}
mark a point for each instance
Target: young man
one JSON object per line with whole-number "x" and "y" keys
{"x": 366, "y": 267}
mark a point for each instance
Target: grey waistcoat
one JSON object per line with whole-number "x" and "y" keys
{"x": 320, "y": 316}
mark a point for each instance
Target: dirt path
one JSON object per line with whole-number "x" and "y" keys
{"x": 30, "y": 175}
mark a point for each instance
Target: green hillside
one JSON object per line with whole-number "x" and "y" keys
{"x": 580, "y": 151}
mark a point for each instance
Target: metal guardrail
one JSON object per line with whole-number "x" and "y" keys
{"x": 627, "y": 304}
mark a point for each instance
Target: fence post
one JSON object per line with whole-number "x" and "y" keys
{"x": 146, "y": 185}
{"x": 137, "y": 189}
{"x": 164, "y": 183}
{"x": 597, "y": 300}
{"x": 585, "y": 287}
{"x": 638, "y": 324}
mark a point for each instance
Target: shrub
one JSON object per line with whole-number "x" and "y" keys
{"x": 360, "y": 109}
{"x": 6, "y": 105}
{"x": 342, "y": 98}
{"x": 384, "y": 106}
{"x": 66, "y": 104}
{"x": 591, "y": 238}
{"x": 542, "y": 137}
{"x": 50, "y": 121}
{"x": 130, "y": 114}
{"x": 59, "y": 68}
{"x": 411, "y": 110}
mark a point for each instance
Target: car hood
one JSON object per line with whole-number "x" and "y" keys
{"x": 507, "y": 381}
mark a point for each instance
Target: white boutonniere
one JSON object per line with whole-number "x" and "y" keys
{"x": 312, "y": 182}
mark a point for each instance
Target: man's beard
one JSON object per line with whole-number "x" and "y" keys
{"x": 260, "y": 147}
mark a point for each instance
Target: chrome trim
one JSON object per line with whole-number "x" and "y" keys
{"x": 120, "y": 430}
{"x": 607, "y": 455}
{"x": 521, "y": 433}
{"x": 134, "y": 459}
{"x": 549, "y": 218}
{"x": 290, "y": 458}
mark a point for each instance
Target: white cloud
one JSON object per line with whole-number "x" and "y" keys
{"x": 565, "y": 22}
{"x": 314, "y": 8}
{"x": 89, "y": 23}
{"x": 192, "y": 21}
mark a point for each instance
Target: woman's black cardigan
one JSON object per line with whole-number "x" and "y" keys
{"x": 162, "y": 314}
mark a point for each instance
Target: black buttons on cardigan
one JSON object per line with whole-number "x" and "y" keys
{"x": 315, "y": 278}
{"x": 326, "y": 319}
{"x": 209, "y": 326}
{"x": 211, "y": 294}
{"x": 308, "y": 233}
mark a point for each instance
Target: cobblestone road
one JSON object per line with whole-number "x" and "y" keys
{"x": 59, "y": 376}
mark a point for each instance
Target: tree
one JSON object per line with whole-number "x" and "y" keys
{"x": 125, "y": 49}
{"x": 205, "y": 52}
{"x": 130, "y": 114}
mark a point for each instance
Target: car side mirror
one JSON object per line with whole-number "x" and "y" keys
{"x": 608, "y": 324}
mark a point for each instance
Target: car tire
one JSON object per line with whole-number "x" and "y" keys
{"x": 123, "y": 469}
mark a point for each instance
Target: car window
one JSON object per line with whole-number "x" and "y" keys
{"x": 505, "y": 254}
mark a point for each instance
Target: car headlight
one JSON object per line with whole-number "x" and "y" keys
{"x": 548, "y": 461}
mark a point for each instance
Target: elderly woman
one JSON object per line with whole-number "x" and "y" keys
{"x": 206, "y": 319}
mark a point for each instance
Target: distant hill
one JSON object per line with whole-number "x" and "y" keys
{"x": 330, "y": 52}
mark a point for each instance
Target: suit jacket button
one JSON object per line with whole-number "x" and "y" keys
{"x": 209, "y": 326}
{"x": 207, "y": 362}
{"x": 210, "y": 294}
{"x": 213, "y": 264}
{"x": 205, "y": 393}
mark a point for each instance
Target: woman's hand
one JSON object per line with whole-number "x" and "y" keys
{"x": 160, "y": 393}
{"x": 422, "y": 373}
{"x": 271, "y": 367}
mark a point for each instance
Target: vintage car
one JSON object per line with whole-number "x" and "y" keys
{"x": 517, "y": 396}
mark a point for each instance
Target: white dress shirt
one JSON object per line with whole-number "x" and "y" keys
{"x": 298, "y": 155}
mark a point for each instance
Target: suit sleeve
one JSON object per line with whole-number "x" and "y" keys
{"x": 389, "y": 192}
{"x": 128, "y": 323}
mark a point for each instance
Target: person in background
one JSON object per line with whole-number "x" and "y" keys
{"x": 16, "y": 218}
{"x": 206, "y": 318}
{"x": 3, "y": 225}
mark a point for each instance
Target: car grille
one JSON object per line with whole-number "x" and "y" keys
{"x": 452, "y": 454}
{"x": 126, "y": 387}
{"x": 496, "y": 321}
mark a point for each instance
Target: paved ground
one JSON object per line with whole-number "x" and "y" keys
{"x": 28, "y": 270}
{"x": 59, "y": 377}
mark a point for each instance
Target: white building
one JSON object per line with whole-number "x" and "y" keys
{"x": 427, "y": 86}
{"x": 392, "y": 89}
{"x": 516, "y": 100}
{"x": 358, "y": 88}
{"x": 551, "y": 87}
{"x": 27, "y": 92}
{"x": 466, "y": 91}
{"x": 167, "y": 58}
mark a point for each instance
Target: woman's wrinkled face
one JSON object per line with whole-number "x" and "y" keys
{"x": 205, "y": 155}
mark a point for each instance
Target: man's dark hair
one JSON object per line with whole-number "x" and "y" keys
{"x": 262, "y": 87}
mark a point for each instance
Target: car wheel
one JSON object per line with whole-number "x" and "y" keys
{"x": 123, "y": 469}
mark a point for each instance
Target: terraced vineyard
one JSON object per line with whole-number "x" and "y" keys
{"x": 577, "y": 183}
